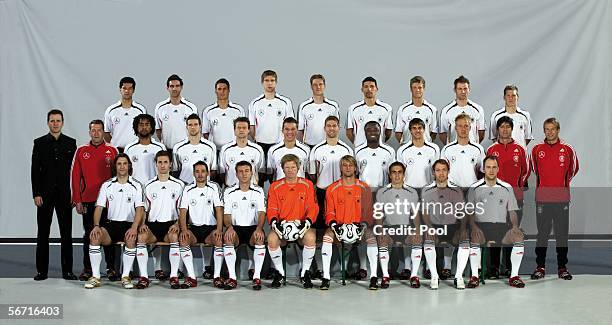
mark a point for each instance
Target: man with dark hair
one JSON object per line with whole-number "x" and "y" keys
{"x": 462, "y": 105}
{"x": 521, "y": 132}
{"x": 366, "y": 110}
{"x": 52, "y": 155}
{"x": 313, "y": 111}
{"x": 119, "y": 116}
{"x": 171, "y": 114}
{"x": 193, "y": 149}
{"x": 219, "y": 117}
{"x": 142, "y": 151}
{"x": 289, "y": 145}
{"x": 241, "y": 149}
{"x": 417, "y": 107}
{"x": 92, "y": 166}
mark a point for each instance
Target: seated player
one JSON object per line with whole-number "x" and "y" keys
{"x": 348, "y": 201}
{"x": 201, "y": 203}
{"x": 122, "y": 196}
{"x": 291, "y": 200}
{"x": 163, "y": 195}
{"x": 244, "y": 216}
{"x": 390, "y": 194}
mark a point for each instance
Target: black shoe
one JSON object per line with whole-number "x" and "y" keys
{"x": 493, "y": 274}
{"x": 180, "y": 274}
{"x": 317, "y": 274}
{"x": 85, "y": 275}
{"x": 208, "y": 273}
{"x": 67, "y": 276}
{"x": 324, "y": 284}
{"x": 277, "y": 281}
{"x": 446, "y": 274}
{"x": 40, "y": 277}
{"x": 373, "y": 283}
{"x": 306, "y": 282}
{"x": 112, "y": 275}
{"x": 564, "y": 274}
{"x": 256, "y": 284}
{"x": 427, "y": 274}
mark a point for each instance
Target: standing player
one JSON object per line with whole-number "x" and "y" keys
{"x": 521, "y": 133}
{"x": 497, "y": 200}
{"x": 244, "y": 216}
{"x": 193, "y": 149}
{"x": 219, "y": 117}
{"x": 289, "y": 145}
{"x": 313, "y": 112}
{"x": 52, "y": 155}
{"x": 462, "y": 105}
{"x": 373, "y": 158}
{"x": 119, "y": 116}
{"x": 417, "y": 107}
{"x": 366, "y": 110}
{"x": 418, "y": 155}
{"x": 555, "y": 163}
{"x": 163, "y": 195}
{"x": 92, "y": 166}
{"x": 142, "y": 151}
{"x": 123, "y": 197}
{"x": 292, "y": 199}
{"x": 241, "y": 149}
{"x": 464, "y": 156}
{"x": 172, "y": 113}
{"x": 201, "y": 205}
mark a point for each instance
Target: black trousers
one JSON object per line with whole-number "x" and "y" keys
{"x": 88, "y": 224}
{"x": 44, "y": 216}
{"x": 552, "y": 216}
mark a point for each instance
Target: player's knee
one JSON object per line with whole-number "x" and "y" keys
{"x": 130, "y": 243}
{"x": 173, "y": 237}
{"x": 142, "y": 238}
{"x": 310, "y": 238}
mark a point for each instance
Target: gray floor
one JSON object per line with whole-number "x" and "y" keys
{"x": 585, "y": 300}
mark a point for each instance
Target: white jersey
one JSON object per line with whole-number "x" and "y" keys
{"x": 163, "y": 199}
{"x": 373, "y": 164}
{"x": 452, "y": 110}
{"x": 279, "y": 150}
{"x": 465, "y": 161}
{"x": 143, "y": 159}
{"x": 187, "y": 154}
{"x": 359, "y": 114}
{"x": 171, "y": 119}
{"x": 418, "y": 162}
{"x": 219, "y": 122}
{"x": 118, "y": 121}
{"x": 441, "y": 203}
{"x": 426, "y": 112}
{"x": 244, "y": 206}
{"x": 267, "y": 116}
{"x": 201, "y": 202}
{"x": 496, "y": 200}
{"x": 324, "y": 161}
{"x": 231, "y": 154}
{"x": 311, "y": 119}
{"x": 121, "y": 200}
{"x": 402, "y": 195}
{"x": 522, "y": 125}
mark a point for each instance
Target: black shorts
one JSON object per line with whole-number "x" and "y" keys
{"x": 493, "y": 231}
{"x": 201, "y": 232}
{"x": 117, "y": 229}
{"x": 450, "y": 232}
{"x": 244, "y": 234}
{"x": 160, "y": 229}
{"x": 320, "y": 223}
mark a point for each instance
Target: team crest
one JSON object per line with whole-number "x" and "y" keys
{"x": 129, "y": 199}
{"x": 501, "y": 202}
{"x": 209, "y": 202}
{"x": 473, "y": 160}
{"x": 253, "y": 205}
{"x": 279, "y": 113}
{"x": 380, "y": 120}
{"x": 521, "y": 126}
{"x": 173, "y": 196}
{"x": 384, "y": 163}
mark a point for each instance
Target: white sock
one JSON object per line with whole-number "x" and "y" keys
{"x": 372, "y": 251}
{"x": 463, "y": 254}
{"x": 207, "y": 253}
{"x": 187, "y": 258}
{"x": 516, "y": 256}
{"x": 277, "y": 259}
{"x": 230, "y": 260}
{"x": 250, "y": 255}
{"x": 407, "y": 258}
{"x": 475, "y": 258}
{"x": 308, "y": 254}
{"x": 383, "y": 256}
{"x": 175, "y": 259}
{"x": 415, "y": 255}
{"x": 448, "y": 256}
{"x": 157, "y": 253}
{"x": 326, "y": 255}
{"x": 95, "y": 257}
{"x": 128, "y": 260}
{"x": 142, "y": 257}
{"x": 259, "y": 256}
{"x": 218, "y": 261}
{"x": 363, "y": 257}
{"x": 429, "y": 248}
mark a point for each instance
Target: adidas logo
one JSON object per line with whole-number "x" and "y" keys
{"x": 463, "y": 112}
{"x": 370, "y": 112}
{"x": 516, "y": 150}
{"x": 244, "y": 198}
{"x": 195, "y": 151}
{"x": 145, "y": 151}
{"x": 418, "y": 112}
{"x": 108, "y": 151}
{"x": 202, "y": 194}
{"x": 120, "y": 190}
{"x": 562, "y": 150}
{"x": 176, "y": 110}
{"x": 126, "y": 114}
{"x": 332, "y": 152}
{"x": 320, "y": 110}
{"x": 397, "y": 196}
{"x": 374, "y": 154}
{"x": 223, "y": 114}
{"x": 163, "y": 187}
{"x": 242, "y": 153}
{"x": 269, "y": 105}
{"x": 419, "y": 154}
{"x": 462, "y": 151}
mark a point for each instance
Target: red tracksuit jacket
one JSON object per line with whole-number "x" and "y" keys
{"x": 91, "y": 167}
{"x": 555, "y": 165}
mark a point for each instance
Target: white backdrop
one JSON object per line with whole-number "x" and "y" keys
{"x": 71, "y": 54}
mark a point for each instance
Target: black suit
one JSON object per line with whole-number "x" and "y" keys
{"x": 51, "y": 163}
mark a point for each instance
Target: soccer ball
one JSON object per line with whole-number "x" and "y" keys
{"x": 291, "y": 230}
{"x": 350, "y": 233}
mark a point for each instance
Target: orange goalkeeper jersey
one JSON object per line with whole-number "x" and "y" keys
{"x": 348, "y": 203}
{"x": 295, "y": 201}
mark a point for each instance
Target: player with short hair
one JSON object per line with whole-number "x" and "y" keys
{"x": 289, "y": 145}
{"x": 119, "y": 116}
{"x": 464, "y": 156}
{"x": 201, "y": 221}
{"x": 366, "y": 110}
{"x": 313, "y": 112}
{"x": 193, "y": 149}
{"x": 555, "y": 164}
{"x": 171, "y": 114}
{"x": 418, "y": 155}
{"x": 488, "y": 225}
{"x": 417, "y": 107}
{"x": 373, "y": 158}
{"x": 244, "y": 217}
{"x": 241, "y": 149}
{"x": 462, "y": 105}
{"x": 142, "y": 151}
{"x": 123, "y": 197}
{"x": 163, "y": 195}
{"x": 521, "y": 133}
{"x": 292, "y": 203}
{"x": 219, "y": 117}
